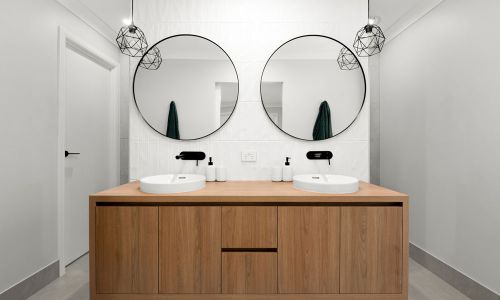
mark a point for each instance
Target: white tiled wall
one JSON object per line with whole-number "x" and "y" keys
{"x": 249, "y": 31}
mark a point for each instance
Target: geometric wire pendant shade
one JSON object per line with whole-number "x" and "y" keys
{"x": 131, "y": 40}
{"x": 369, "y": 40}
{"x": 152, "y": 59}
{"x": 347, "y": 60}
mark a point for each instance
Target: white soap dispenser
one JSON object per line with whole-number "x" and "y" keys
{"x": 210, "y": 170}
{"x": 287, "y": 170}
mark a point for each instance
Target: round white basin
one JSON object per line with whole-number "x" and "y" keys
{"x": 327, "y": 183}
{"x": 170, "y": 183}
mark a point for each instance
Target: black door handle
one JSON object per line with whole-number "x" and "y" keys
{"x": 66, "y": 153}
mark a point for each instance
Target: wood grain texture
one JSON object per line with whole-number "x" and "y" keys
{"x": 249, "y": 297}
{"x": 405, "y": 249}
{"x": 371, "y": 255}
{"x": 256, "y": 193}
{"x": 126, "y": 250}
{"x": 249, "y": 273}
{"x": 190, "y": 249}
{"x": 249, "y": 226}
{"x": 308, "y": 254}
{"x": 92, "y": 249}
{"x": 249, "y": 191}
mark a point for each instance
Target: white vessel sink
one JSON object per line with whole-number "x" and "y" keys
{"x": 327, "y": 183}
{"x": 170, "y": 183}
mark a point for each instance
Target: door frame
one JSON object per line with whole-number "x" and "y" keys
{"x": 68, "y": 41}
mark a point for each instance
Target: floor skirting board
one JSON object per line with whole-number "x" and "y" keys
{"x": 32, "y": 284}
{"x": 464, "y": 284}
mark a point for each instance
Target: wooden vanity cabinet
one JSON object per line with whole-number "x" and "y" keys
{"x": 278, "y": 243}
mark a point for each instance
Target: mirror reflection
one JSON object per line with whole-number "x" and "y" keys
{"x": 307, "y": 92}
{"x": 192, "y": 93}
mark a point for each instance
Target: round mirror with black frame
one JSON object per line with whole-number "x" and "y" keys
{"x": 313, "y": 87}
{"x": 191, "y": 91}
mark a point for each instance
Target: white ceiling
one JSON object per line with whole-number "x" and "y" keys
{"x": 390, "y": 12}
{"x": 111, "y": 12}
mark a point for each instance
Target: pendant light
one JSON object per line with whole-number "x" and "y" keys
{"x": 152, "y": 59}
{"x": 370, "y": 39}
{"x": 347, "y": 60}
{"x": 131, "y": 40}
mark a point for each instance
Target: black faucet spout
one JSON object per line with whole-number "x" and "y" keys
{"x": 326, "y": 155}
{"x": 191, "y": 155}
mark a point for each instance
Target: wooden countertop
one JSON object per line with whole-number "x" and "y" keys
{"x": 248, "y": 192}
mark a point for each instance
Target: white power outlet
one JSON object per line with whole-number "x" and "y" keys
{"x": 249, "y": 156}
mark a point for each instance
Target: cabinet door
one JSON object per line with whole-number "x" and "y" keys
{"x": 249, "y": 273}
{"x": 190, "y": 249}
{"x": 308, "y": 249}
{"x": 371, "y": 256}
{"x": 126, "y": 249}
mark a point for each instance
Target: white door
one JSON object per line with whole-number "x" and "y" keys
{"x": 89, "y": 132}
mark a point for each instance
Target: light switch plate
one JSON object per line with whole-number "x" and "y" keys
{"x": 249, "y": 156}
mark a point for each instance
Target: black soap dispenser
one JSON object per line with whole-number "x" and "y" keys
{"x": 287, "y": 170}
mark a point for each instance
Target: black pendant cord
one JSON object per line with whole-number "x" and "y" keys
{"x": 368, "y": 10}
{"x": 369, "y": 25}
{"x": 132, "y": 19}
{"x": 130, "y": 39}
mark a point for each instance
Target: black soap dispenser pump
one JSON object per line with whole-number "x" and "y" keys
{"x": 210, "y": 172}
{"x": 287, "y": 170}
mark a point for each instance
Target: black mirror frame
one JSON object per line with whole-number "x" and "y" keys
{"x": 322, "y": 36}
{"x": 192, "y": 35}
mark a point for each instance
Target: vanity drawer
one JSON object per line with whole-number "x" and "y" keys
{"x": 249, "y": 273}
{"x": 249, "y": 227}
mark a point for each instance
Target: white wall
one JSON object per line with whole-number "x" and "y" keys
{"x": 440, "y": 133}
{"x": 309, "y": 82}
{"x": 249, "y": 31}
{"x": 28, "y": 127}
{"x": 191, "y": 83}
{"x": 125, "y": 103}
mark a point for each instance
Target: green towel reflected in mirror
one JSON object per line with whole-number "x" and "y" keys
{"x": 173, "y": 122}
{"x": 323, "y": 125}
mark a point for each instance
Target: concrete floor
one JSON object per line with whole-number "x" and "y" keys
{"x": 74, "y": 285}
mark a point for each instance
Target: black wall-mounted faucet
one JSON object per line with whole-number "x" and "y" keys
{"x": 320, "y": 155}
{"x": 191, "y": 155}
